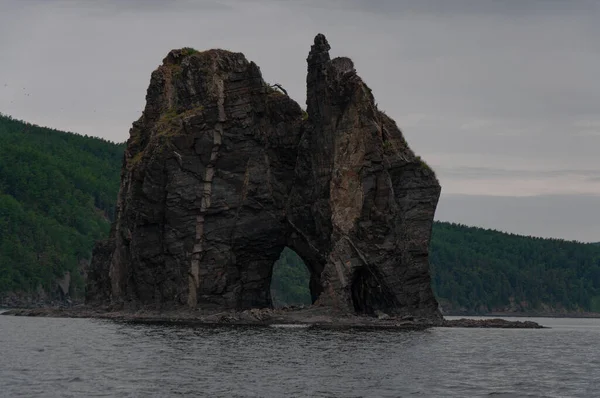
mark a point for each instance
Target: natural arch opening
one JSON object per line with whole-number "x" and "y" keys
{"x": 290, "y": 281}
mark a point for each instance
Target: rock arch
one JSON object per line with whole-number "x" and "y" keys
{"x": 290, "y": 281}
{"x": 222, "y": 172}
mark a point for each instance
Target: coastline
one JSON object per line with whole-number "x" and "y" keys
{"x": 311, "y": 317}
{"x": 531, "y": 314}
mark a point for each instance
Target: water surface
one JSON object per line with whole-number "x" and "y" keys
{"x": 52, "y": 357}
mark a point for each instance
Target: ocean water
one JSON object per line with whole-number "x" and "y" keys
{"x": 52, "y": 357}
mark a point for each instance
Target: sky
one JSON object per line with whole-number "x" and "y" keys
{"x": 500, "y": 97}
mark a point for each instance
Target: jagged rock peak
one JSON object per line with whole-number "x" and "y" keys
{"x": 175, "y": 56}
{"x": 320, "y": 47}
{"x": 222, "y": 172}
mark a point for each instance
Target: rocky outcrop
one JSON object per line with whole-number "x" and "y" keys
{"x": 496, "y": 323}
{"x": 60, "y": 293}
{"x": 313, "y": 317}
{"x": 222, "y": 172}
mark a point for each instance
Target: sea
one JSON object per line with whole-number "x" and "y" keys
{"x": 57, "y": 357}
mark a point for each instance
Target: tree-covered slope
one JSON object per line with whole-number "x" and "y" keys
{"x": 289, "y": 283}
{"x": 57, "y": 194}
{"x": 481, "y": 270}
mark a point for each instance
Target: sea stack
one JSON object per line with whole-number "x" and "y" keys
{"x": 222, "y": 171}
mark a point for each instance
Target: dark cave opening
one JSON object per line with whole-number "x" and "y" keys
{"x": 369, "y": 294}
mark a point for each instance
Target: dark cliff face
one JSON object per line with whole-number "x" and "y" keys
{"x": 222, "y": 172}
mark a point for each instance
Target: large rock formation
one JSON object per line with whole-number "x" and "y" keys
{"x": 222, "y": 172}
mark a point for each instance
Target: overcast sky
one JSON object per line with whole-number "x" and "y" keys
{"x": 500, "y": 97}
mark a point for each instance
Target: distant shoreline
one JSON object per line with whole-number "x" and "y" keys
{"x": 81, "y": 311}
{"x": 314, "y": 317}
{"x": 590, "y": 315}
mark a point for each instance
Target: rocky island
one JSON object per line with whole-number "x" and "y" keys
{"x": 224, "y": 170}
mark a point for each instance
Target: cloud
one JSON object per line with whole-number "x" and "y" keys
{"x": 572, "y": 217}
{"x": 508, "y": 8}
{"x": 517, "y": 182}
{"x": 476, "y": 125}
{"x": 499, "y": 96}
{"x": 488, "y": 172}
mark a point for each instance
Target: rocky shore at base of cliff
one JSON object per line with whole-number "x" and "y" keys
{"x": 317, "y": 317}
{"x": 497, "y": 323}
{"x": 527, "y": 314}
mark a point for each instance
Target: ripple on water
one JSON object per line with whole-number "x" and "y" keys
{"x": 45, "y": 357}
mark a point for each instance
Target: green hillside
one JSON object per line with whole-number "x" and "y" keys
{"x": 289, "y": 283}
{"x": 478, "y": 270}
{"x": 57, "y": 194}
{"x": 481, "y": 270}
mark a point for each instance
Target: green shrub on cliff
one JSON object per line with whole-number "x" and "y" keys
{"x": 189, "y": 51}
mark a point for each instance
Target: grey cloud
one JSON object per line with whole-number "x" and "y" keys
{"x": 119, "y": 5}
{"x": 483, "y": 89}
{"x": 508, "y": 8}
{"x": 573, "y": 217}
{"x": 492, "y": 173}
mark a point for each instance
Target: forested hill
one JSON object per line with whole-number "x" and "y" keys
{"x": 480, "y": 270}
{"x": 57, "y": 194}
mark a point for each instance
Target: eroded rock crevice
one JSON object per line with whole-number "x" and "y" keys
{"x": 222, "y": 172}
{"x": 209, "y": 173}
